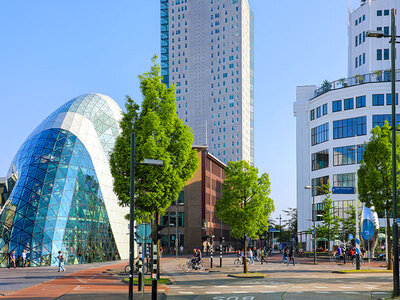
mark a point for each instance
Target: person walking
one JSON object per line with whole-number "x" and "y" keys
{"x": 60, "y": 258}
{"x": 263, "y": 256}
{"x": 12, "y": 261}
{"x": 251, "y": 256}
{"x": 291, "y": 256}
{"x": 23, "y": 258}
{"x": 284, "y": 255}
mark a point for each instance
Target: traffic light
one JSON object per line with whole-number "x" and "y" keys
{"x": 222, "y": 239}
{"x": 156, "y": 232}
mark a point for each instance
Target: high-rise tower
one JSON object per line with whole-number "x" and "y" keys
{"x": 207, "y": 52}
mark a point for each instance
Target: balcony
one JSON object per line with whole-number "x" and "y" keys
{"x": 377, "y": 76}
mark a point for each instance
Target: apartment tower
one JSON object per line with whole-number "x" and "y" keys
{"x": 207, "y": 52}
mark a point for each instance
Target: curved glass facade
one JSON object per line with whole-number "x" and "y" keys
{"x": 56, "y": 202}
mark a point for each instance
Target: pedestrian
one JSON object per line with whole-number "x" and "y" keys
{"x": 161, "y": 251}
{"x": 23, "y": 258}
{"x": 290, "y": 256}
{"x": 284, "y": 255}
{"x": 181, "y": 249}
{"x": 263, "y": 256}
{"x": 251, "y": 256}
{"x": 339, "y": 253}
{"x": 60, "y": 262}
{"x": 12, "y": 261}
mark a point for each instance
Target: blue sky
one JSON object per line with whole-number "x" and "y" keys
{"x": 52, "y": 51}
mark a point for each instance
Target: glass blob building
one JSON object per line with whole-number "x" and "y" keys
{"x": 61, "y": 187}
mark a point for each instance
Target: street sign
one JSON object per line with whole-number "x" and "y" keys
{"x": 350, "y": 236}
{"x": 398, "y": 220}
{"x": 367, "y": 229}
{"x": 144, "y": 241}
{"x": 273, "y": 230}
{"x": 342, "y": 190}
{"x": 143, "y": 230}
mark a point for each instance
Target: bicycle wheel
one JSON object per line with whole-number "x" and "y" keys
{"x": 236, "y": 262}
{"x": 126, "y": 269}
{"x": 200, "y": 265}
{"x": 185, "y": 267}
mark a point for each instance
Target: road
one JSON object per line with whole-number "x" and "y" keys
{"x": 303, "y": 281}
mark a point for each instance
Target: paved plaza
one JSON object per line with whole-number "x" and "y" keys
{"x": 103, "y": 281}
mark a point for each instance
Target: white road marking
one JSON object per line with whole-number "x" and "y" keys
{"x": 350, "y": 292}
{"x": 221, "y": 286}
{"x": 323, "y": 292}
{"x": 213, "y": 293}
{"x": 345, "y": 287}
{"x": 267, "y": 292}
{"x": 321, "y": 287}
{"x": 240, "y": 292}
{"x": 270, "y": 286}
{"x": 186, "y": 292}
{"x": 197, "y": 287}
{"x": 246, "y": 286}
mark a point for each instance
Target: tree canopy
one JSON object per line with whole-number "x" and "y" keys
{"x": 161, "y": 135}
{"x": 375, "y": 182}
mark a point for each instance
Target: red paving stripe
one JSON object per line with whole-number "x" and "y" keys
{"x": 60, "y": 286}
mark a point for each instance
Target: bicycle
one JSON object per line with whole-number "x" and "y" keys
{"x": 362, "y": 261}
{"x": 239, "y": 261}
{"x": 334, "y": 258}
{"x": 136, "y": 268}
{"x": 190, "y": 265}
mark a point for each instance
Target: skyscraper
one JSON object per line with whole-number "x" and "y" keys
{"x": 207, "y": 52}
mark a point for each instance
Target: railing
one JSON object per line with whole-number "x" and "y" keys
{"x": 379, "y": 76}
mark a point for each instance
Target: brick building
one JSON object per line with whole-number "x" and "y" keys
{"x": 196, "y": 208}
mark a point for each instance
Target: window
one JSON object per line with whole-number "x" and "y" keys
{"x": 378, "y": 99}
{"x": 363, "y": 58}
{"x": 320, "y": 134}
{"x": 336, "y": 105}
{"x": 348, "y": 104}
{"x": 360, "y": 101}
{"x": 320, "y": 160}
{"x": 344, "y": 156}
{"x": 356, "y": 62}
{"x": 325, "y": 109}
{"x": 181, "y": 198}
{"x": 356, "y": 40}
{"x": 386, "y": 12}
{"x": 349, "y": 127}
{"x": 386, "y": 30}
{"x": 379, "y": 120}
{"x": 363, "y": 36}
{"x": 379, "y": 13}
{"x": 317, "y": 183}
{"x": 164, "y": 220}
{"x": 389, "y": 99}
{"x": 360, "y": 153}
{"x": 312, "y": 114}
{"x": 319, "y": 112}
{"x": 386, "y": 54}
{"x": 378, "y": 54}
{"x": 181, "y": 219}
{"x": 344, "y": 180}
{"x": 363, "y": 18}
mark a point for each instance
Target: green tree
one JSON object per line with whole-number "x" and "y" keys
{"x": 375, "y": 175}
{"x": 245, "y": 204}
{"x": 330, "y": 225}
{"x": 160, "y": 134}
{"x": 349, "y": 224}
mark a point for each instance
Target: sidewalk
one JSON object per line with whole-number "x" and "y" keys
{"x": 96, "y": 283}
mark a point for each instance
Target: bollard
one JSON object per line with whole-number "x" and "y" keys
{"x": 154, "y": 273}
{"x": 140, "y": 268}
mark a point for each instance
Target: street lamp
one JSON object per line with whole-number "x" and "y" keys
{"x": 309, "y": 187}
{"x": 280, "y": 231}
{"x": 148, "y": 162}
{"x": 379, "y": 34}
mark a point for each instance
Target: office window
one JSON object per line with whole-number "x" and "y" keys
{"x": 317, "y": 184}
{"x": 344, "y": 180}
{"x": 360, "y": 101}
{"x": 344, "y": 156}
{"x": 378, "y": 99}
{"x": 378, "y": 54}
{"x": 349, "y": 127}
{"x": 319, "y": 112}
{"x": 320, "y": 134}
{"x": 386, "y": 54}
{"x": 379, "y": 28}
{"x": 348, "y": 103}
{"x": 336, "y": 105}
{"x": 359, "y": 60}
{"x": 363, "y": 58}
{"x": 356, "y": 22}
{"x": 356, "y": 62}
{"x": 164, "y": 220}
{"x": 312, "y": 114}
{"x": 363, "y": 18}
{"x": 389, "y": 99}
{"x": 363, "y": 36}
{"x": 320, "y": 160}
{"x": 386, "y": 30}
{"x": 325, "y": 109}
{"x": 181, "y": 198}
{"x": 379, "y": 120}
{"x": 356, "y": 42}
{"x": 386, "y": 12}
{"x": 181, "y": 219}
{"x": 379, "y": 13}
{"x": 360, "y": 153}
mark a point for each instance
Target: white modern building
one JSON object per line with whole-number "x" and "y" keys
{"x": 207, "y": 52}
{"x": 333, "y": 121}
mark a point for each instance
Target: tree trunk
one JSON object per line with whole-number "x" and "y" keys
{"x": 389, "y": 243}
{"x": 245, "y": 254}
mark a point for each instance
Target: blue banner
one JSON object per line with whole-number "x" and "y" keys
{"x": 343, "y": 190}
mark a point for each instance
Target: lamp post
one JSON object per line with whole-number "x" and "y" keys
{"x": 280, "y": 231}
{"x": 392, "y": 36}
{"x": 148, "y": 162}
{"x": 308, "y": 187}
